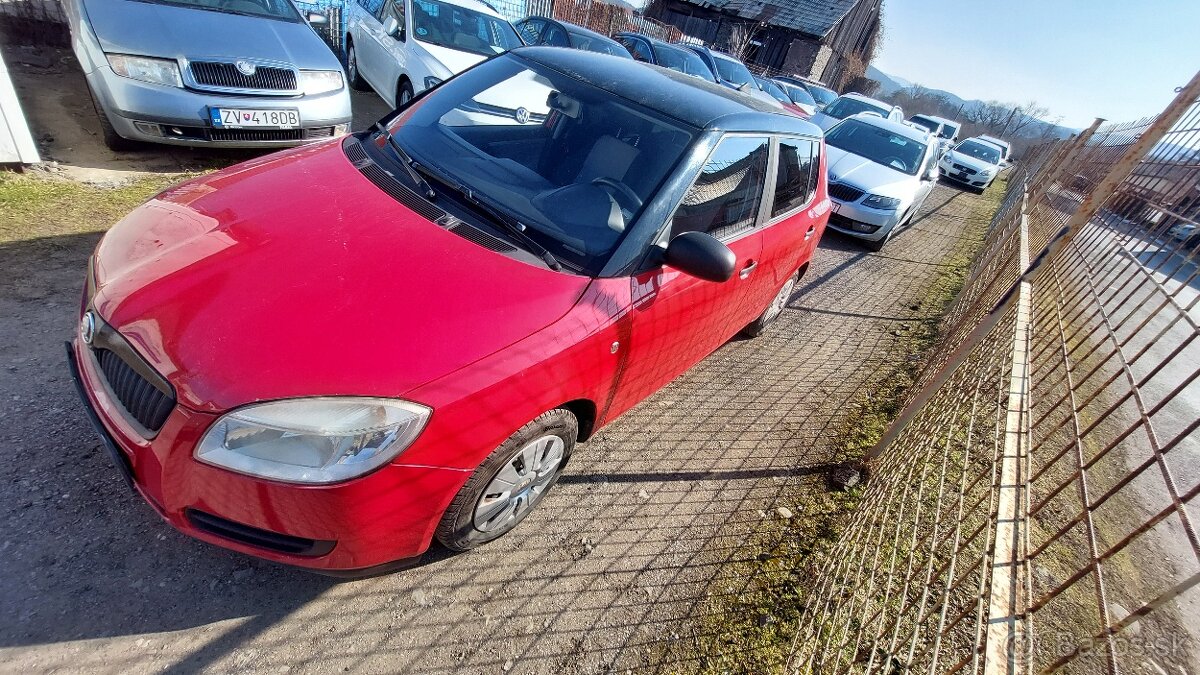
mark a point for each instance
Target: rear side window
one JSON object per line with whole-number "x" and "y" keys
{"x": 725, "y": 198}
{"x": 796, "y": 178}
{"x": 530, "y": 30}
{"x": 639, "y": 50}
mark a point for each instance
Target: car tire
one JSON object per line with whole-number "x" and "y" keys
{"x": 404, "y": 93}
{"x": 878, "y": 245}
{"x": 352, "y": 73}
{"x": 483, "y": 510}
{"x": 773, "y": 310}
{"x": 112, "y": 139}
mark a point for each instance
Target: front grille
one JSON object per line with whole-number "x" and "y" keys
{"x": 141, "y": 400}
{"x": 227, "y": 76}
{"x": 257, "y": 537}
{"x": 844, "y": 193}
{"x": 965, "y": 169}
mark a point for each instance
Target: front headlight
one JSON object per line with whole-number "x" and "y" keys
{"x": 312, "y": 440}
{"x": 986, "y": 172}
{"x": 320, "y": 81}
{"x": 432, "y": 81}
{"x": 145, "y": 69}
{"x": 881, "y": 202}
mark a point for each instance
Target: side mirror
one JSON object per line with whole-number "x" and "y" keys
{"x": 317, "y": 19}
{"x": 701, "y": 255}
{"x": 393, "y": 28}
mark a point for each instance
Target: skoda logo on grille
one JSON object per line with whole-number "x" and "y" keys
{"x": 87, "y": 328}
{"x": 521, "y": 115}
{"x": 246, "y": 68}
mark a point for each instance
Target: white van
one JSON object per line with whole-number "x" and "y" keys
{"x": 399, "y": 48}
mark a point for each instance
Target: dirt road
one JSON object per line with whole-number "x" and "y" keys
{"x": 613, "y": 566}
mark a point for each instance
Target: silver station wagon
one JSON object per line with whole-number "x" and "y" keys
{"x": 235, "y": 73}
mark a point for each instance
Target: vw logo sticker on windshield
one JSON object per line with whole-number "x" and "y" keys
{"x": 521, "y": 115}
{"x": 246, "y": 68}
{"x": 87, "y": 328}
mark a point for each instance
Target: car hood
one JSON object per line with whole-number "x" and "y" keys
{"x": 292, "y": 275}
{"x": 453, "y": 60}
{"x": 845, "y": 167}
{"x": 825, "y": 122}
{"x": 148, "y": 29}
{"x": 968, "y": 161}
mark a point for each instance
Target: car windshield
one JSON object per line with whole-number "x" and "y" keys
{"x": 463, "y": 29}
{"x": 594, "y": 43}
{"x": 925, "y": 123}
{"x": 822, "y": 95}
{"x": 682, "y": 60}
{"x": 731, "y": 70}
{"x": 267, "y": 9}
{"x": 949, "y": 130}
{"x": 572, "y": 163}
{"x": 988, "y": 153}
{"x": 798, "y": 94}
{"x": 774, "y": 90}
{"x": 878, "y": 145}
{"x": 845, "y": 107}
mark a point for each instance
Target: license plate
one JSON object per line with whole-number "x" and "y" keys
{"x": 961, "y": 176}
{"x": 243, "y": 118}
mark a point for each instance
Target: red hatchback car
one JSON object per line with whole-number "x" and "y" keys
{"x": 329, "y": 356}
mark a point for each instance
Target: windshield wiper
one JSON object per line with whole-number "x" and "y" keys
{"x": 510, "y": 225}
{"x": 407, "y": 162}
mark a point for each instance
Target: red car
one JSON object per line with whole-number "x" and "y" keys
{"x": 329, "y": 356}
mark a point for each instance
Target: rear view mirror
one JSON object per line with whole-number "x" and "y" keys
{"x": 317, "y": 19}
{"x": 393, "y": 28}
{"x": 701, "y": 255}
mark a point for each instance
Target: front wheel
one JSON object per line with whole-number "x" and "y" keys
{"x": 510, "y": 482}
{"x": 404, "y": 93}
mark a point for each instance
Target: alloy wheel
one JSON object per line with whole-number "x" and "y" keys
{"x": 781, "y": 299}
{"x": 519, "y": 484}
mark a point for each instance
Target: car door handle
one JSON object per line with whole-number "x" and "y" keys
{"x": 750, "y": 265}
{"x": 811, "y": 231}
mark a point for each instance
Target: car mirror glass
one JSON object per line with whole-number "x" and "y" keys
{"x": 700, "y": 255}
{"x": 317, "y": 19}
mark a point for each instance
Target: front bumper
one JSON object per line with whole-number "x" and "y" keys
{"x": 158, "y": 114}
{"x": 863, "y": 222}
{"x": 375, "y": 523}
{"x": 949, "y": 172}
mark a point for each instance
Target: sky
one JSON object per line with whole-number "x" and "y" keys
{"x": 1116, "y": 59}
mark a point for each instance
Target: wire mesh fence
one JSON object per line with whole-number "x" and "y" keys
{"x": 1029, "y": 511}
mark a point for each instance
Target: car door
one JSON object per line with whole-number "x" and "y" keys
{"x": 796, "y": 222}
{"x": 677, "y": 319}
{"x": 368, "y": 48}
{"x": 393, "y": 49}
{"x": 925, "y": 186}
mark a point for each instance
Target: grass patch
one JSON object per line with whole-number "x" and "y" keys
{"x": 750, "y": 619}
{"x": 36, "y": 208}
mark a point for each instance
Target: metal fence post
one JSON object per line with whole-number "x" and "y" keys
{"x": 1057, "y": 166}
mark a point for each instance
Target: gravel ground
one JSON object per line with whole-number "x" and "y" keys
{"x": 613, "y": 567}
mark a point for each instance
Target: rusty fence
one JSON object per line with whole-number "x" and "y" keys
{"x": 1029, "y": 511}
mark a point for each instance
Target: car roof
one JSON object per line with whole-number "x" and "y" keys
{"x": 476, "y": 5}
{"x": 691, "y": 100}
{"x": 654, "y": 42}
{"x": 579, "y": 30}
{"x": 993, "y": 140}
{"x": 895, "y": 126}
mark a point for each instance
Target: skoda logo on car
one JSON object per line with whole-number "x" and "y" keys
{"x": 246, "y": 68}
{"x": 87, "y": 328}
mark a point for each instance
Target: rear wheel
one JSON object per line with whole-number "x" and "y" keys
{"x": 356, "y": 80}
{"x": 404, "y": 93}
{"x": 510, "y": 482}
{"x": 773, "y": 310}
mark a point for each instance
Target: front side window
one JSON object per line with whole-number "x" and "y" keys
{"x": 725, "y": 198}
{"x": 949, "y": 130}
{"x": 569, "y": 161}
{"x": 798, "y": 94}
{"x": 846, "y": 107}
{"x": 530, "y": 30}
{"x": 555, "y": 37}
{"x": 684, "y": 61}
{"x": 463, "y": 29}
{"x": 878, "y": 145}
{"x": 796, "y": 176}
{"x": 925, "y": 123}
{"x": 774, "y": 90}
{"x": 639, "y": 50}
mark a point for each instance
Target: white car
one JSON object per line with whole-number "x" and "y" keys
{"x": 402, "y": 47}
{"x": 880, "y": 173}
{"x": 853, "y": 104}
{"x": 973, "y": 163}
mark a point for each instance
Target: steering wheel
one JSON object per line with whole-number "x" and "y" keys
{"x": 622, "y": 190}
{"x": 896, "y": 162}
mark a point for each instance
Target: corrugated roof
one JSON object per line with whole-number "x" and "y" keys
{"x": 811, "y": 17}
